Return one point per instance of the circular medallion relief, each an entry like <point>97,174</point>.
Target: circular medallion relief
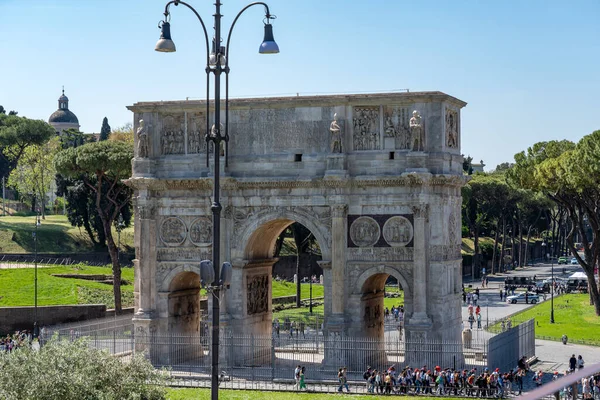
<point>201,232</point>
<point>397,231</point>
<point>365,231</point>
<point>173,231</point>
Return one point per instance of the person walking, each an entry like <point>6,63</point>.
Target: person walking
<point>478,321</point>
<point>580,362</point>
<point>379,382</point>
<point>297,377</point>
<point>519,380</point>
<point>501,293</point>
<point>471,320</point>
<point>343,380</point>
<point>572,363</point>
<point>302,383</point>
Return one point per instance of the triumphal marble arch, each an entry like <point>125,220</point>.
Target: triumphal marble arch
<point>375,177</point>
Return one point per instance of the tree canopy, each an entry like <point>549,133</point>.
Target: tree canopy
<point>16,133</point>
<point>105,130</point>
<point>102,166</point>
<point>568,174</point>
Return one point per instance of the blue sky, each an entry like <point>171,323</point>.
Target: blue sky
<point>527,68</point>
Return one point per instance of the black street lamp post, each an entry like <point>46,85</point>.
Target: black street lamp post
<point>35,277</point>
<point>551,283</point>
<point>217,62</point>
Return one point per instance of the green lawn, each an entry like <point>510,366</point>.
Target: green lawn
<point>55,235</point>
<point>281,288</point>
<point>573,316</point>
<point>303,312</point>
<point>17,287</point>
<point>200,394</point>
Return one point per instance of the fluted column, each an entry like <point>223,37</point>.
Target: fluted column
<point>420,265</point>
<point>146,255</point>
<point>338,257</point>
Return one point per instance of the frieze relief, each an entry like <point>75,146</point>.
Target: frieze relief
<point>201,232</point>
<point>183,254</point>
<point>396,125</point>
<point>452,227</point>
<point>445,252</point>
<point>196,133</point>
<point>257,294</point>
<point>234,184</point>
<point>366,128</point>
<point>172,135</point>
<point>380,254</point>
<point>451,128</point>
<point>173,231</point>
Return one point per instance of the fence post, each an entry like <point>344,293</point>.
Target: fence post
<point>253,349</point>
<point>114,342</point>
<point>272,359</point>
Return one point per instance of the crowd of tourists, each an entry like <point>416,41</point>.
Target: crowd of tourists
<point>438,381</point>
<point>18,339</point>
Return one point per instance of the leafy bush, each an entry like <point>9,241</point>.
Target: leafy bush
<point>73,371</point>
<point>487,249</point>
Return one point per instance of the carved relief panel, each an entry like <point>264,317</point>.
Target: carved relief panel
<point>396,125</point>
<point>201,232</point>
<point>398,231</point>
<point>257,294</point>
<point>172,135</point>
<point>196,131</point>
<point>173,231</point>
<point>451,128</point>
<point>380,230</point>
<point>366,128</point>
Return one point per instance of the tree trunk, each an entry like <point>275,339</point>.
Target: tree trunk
<point>513,246</point>
<point>503,241</point>
<point>116,266</point>
<point>520,244</point>
<point>495,247</point>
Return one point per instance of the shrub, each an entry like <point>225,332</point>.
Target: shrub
<point>73,371</point>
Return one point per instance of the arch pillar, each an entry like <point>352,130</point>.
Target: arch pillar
<point>335,321</point>
<point>249,302</point>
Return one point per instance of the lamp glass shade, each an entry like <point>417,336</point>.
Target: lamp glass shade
<point>268,46</point>
<point>165,44</point>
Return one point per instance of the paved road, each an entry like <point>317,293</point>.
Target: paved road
<point>552,355</point>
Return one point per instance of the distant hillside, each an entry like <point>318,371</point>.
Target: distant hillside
<point>55,235</point>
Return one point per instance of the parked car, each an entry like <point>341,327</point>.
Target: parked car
<point>532,298</point>
<point>519,281</point>
<point>562,260</point>
<point>574,261</point>
<point>542,287</point>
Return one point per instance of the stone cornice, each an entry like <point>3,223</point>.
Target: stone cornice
<point>274,183</point>
<point>399,98</point>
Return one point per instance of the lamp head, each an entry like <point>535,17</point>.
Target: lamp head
<point>165,44</point>
<point>268,46</point>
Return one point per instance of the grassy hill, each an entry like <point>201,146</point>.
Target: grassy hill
<point>55,235</point>
<point>17,286</point>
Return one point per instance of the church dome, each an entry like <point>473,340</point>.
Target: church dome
<point>63,114</point>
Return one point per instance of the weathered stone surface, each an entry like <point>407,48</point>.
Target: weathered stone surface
<point>382,204</point>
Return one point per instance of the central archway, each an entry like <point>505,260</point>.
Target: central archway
<point>253,252</point>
